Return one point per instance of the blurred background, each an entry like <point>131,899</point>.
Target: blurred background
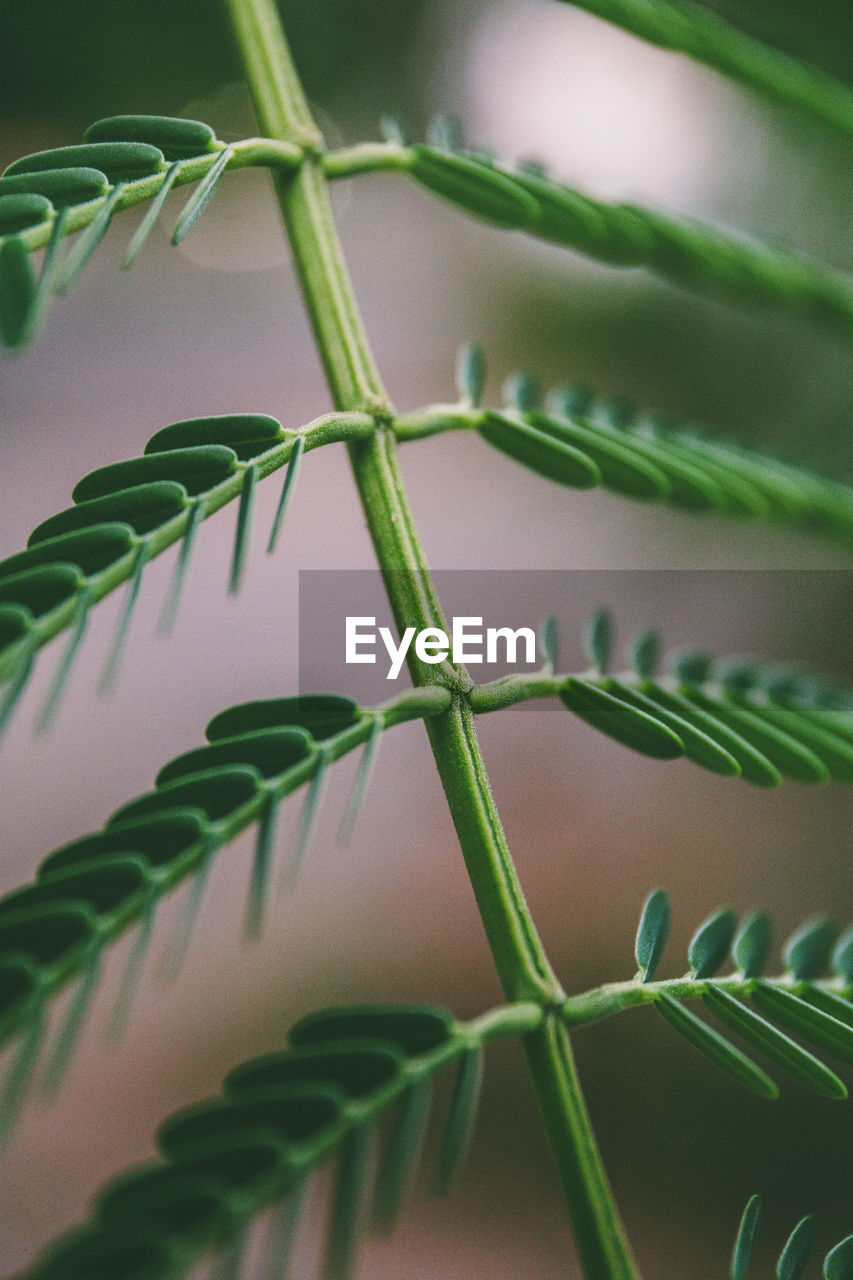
<point>217,326</point>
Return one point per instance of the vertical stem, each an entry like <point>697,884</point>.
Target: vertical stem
<point>354,380</point>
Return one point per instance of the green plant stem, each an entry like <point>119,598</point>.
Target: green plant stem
<point>436,419</point>
<point>355,384</point>
<point>366,157</point>
<point>519,687</point>
<point>506,1020</point>
<point>615,997</point>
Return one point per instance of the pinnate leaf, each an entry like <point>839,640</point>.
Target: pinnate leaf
<point>745,1241</point>
<point>795,1255</point>
<point>710,944</point>
<point>808,950</point>
<point>715,1047</point>
<point>751,944</point>
<point>620,721</point>
<point>652,932</point>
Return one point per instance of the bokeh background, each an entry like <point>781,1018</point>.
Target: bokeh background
<point>217,326</point>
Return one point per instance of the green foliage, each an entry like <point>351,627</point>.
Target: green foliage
<point>620,720</point>
<point>280,1117</point>
<point>127,513</point>
<point>354,1085</point>
<point>652,933</point>
<point>710,944</point>
<point>747,1232</point>
<point>794,1258</point>
<point>177,139</point>
<point>90,891</point>
<point>795,1255</point>
<point>800,1002</point>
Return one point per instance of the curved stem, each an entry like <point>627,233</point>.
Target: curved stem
<point>354,380</point>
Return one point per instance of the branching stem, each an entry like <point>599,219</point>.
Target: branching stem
<point>522,965</point>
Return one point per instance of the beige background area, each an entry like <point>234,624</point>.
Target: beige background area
<point>219,328</point>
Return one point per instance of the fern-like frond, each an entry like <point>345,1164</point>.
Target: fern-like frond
<point>759,721</point>
<point>138,154</point>
<point>125,161</point>
<point>680,249</point>
<point>70,192</point>
<point>812,999</point>
<point>279,1118</point>
<point>88,892</point>
<point>745,1239</point>
<point>127,513</point>
<point>583,442</point>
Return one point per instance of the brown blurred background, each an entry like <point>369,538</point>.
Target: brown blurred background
<point>217,326</point>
